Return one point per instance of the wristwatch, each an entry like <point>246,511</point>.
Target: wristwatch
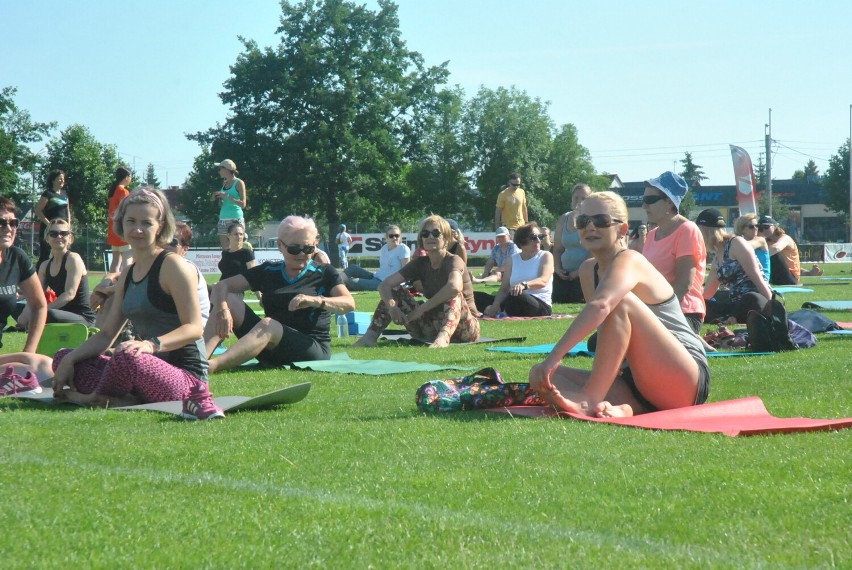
<point>156,342</point>
<point>525,285</point>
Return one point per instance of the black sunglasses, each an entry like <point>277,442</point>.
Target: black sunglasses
<point>764,226</point>
<point>538,237</point>
<point>751,227</point>
<point>174,243</point>
<point>10,223</point>
<point>56,234</point>
<point>393,235</point>
<point>652,199</point>
<point>599,220</point>
<point>434,233</point>
<point>297,249</point>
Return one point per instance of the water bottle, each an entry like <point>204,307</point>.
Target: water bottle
<point>342,326</point>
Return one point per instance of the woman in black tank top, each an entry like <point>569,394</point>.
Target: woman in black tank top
<point>639,322</point>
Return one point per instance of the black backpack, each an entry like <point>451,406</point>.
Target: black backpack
<point>767,329</point>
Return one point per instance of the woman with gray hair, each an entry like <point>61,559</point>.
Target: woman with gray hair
<point>298,297</point>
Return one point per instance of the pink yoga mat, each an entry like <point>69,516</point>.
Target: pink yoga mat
<point>746,416</point>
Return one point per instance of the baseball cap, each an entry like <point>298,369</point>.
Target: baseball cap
<point>502,231</point>
<point>227,164</point>
<point>454,225</point>
<point>711,218</point>
<point>766,221</point>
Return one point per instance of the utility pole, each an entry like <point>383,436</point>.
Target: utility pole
<point>850,173</point>
<point>769,160</point>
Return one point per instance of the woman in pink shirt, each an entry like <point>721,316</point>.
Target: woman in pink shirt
<point>675,247</point>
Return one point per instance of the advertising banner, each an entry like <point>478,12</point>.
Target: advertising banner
<point>746,183</point>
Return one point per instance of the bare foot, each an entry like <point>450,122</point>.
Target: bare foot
<point>557,400</point>
<point>442,340</point>
<point>607,410</point>
<point>369,339</point>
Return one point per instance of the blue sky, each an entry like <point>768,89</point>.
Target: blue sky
<point>642,81</point>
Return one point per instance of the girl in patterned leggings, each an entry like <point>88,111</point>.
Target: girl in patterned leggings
<point>158,295</point>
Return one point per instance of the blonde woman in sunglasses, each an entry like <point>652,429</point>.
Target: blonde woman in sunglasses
<point>64,273</point>
<point>648,357</point>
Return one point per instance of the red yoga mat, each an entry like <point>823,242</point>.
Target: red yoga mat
<point>745,416</point>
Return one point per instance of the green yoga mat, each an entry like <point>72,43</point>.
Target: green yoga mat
<point>343,364</point>
<point>582,349</point>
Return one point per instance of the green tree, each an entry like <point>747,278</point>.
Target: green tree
<point>836,181</point>
<point>692,173</point>
<point>151,176</point>
<point>780,209</point>
<point>809,174</point>
<point>323,122</point>
<point>507,131</point>
<point>568,163</point>
<point>760,172</point>
<point>17,130</point>
<point>89,166</point>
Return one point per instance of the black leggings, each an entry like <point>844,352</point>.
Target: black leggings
<point>521,306</point>
<point>722,309</point>
<point>567,290</point>
<point>779,273</point>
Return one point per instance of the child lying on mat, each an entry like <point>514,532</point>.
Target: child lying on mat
<point>639,322</point>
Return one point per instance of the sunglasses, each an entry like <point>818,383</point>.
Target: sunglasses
<point>434,233</point>
<point>599,220</point>
<point>751,227</point>
<point>10,223</point>
<point>297,249</point>
<point>394,236</point>
<point>56,234</point>
<point>515,184</point>
<point>761,226</point>
<point>538,237</point>
<point>652,199</point>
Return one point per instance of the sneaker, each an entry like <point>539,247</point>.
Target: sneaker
<point>12,383</point>
<point>200,405</point>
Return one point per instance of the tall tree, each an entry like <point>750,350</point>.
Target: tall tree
<point>760,172</point>
<point>692,173</point>
<point>322,122</point>
<point>568,163</point>
<point>809,174</point>
<point>17,130</point>
<point>89,166</point>
<point>836,182</point>
<point>151,176</point>
<point>507,131</point>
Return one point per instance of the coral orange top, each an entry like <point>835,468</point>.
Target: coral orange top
<point>120,194</point>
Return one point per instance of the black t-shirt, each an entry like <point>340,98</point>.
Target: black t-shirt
<point>234,262</point>
<point>278,291</point>
<point>15,267</point>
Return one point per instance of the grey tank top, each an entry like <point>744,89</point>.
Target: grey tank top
<point>152,312</point>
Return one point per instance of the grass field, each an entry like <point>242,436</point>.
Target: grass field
<point>355,477</point>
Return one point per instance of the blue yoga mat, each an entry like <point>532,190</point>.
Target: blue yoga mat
<point>841,333</point>
<point>792,289</point>
<point>836,305</point>
<point>341,363</point>
<point>580,349</point>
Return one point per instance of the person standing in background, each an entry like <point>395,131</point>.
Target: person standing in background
<point>568,253</point>
<point>232,199</point>
<point>344,240</point>
<point>118,191</point>
<point>511,208</point>
<point>52,204</point>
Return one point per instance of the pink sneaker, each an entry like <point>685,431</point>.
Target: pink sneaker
<point>200,405</point>
<point>12,383</point>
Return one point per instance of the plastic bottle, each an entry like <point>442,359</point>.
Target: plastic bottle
<point>342,326</point>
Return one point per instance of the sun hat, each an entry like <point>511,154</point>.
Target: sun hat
<point>454,225</point>
<point>502,231</point>
<point>227,164</point>
<point>670,184</point>
<point>711,218</point>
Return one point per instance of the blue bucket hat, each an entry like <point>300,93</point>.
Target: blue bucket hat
<point>670,184</point>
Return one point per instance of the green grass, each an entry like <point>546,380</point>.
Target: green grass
<point>354,476</point>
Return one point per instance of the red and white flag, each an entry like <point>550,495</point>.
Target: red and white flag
<point>746,182</point>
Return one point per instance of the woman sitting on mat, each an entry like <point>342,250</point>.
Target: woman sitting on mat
<point>675,246</point>
<point>648,356</point>
<point>157,293</point>
<point>66,275</point>
<point>17,272</point>
<point>746,226</point>
<point>448,314</point>
<point>392,257</point>
<point>238,258</point>
<point>735,266</point>
<point>783,253</point>
<point>298,297</point>
<point>526,292</point>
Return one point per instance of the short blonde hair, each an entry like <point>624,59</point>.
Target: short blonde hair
<point>443,226</point>
<point>153,197</point>
<point>742,222</point>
